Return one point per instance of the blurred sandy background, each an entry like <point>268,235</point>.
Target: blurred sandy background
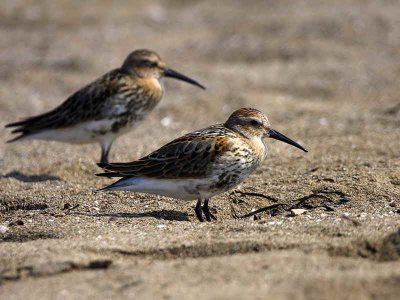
<point>327,74</point>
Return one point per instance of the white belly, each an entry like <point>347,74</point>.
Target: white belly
<point>87,132</point>
<point>186,189</point>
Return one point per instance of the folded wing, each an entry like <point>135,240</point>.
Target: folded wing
<point>190,156</point>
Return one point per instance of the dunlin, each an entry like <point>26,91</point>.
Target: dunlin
<point>200,164</point>
<point>107,107</point>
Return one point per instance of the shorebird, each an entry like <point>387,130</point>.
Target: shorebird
<point>200,164</point>
<point>106,108</point>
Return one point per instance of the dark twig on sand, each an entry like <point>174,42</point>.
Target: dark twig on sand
<point>254,194</point>
<point>322,193</point>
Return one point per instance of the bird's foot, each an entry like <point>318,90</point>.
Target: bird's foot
<point>208,214</point>
<point>200,209</point>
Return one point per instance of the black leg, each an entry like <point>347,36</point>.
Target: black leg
<point>105,150</point>
<point>199,211</point>
<point>207,213</point>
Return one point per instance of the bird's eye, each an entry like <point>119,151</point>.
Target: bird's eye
<point>255,122</point>
<point>149,63</point>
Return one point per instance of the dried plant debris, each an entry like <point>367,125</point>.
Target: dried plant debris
<point>324,197</point>
<point>253,194</point>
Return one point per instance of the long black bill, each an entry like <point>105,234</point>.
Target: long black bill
<point>177,75</point>
<point>279,136</point>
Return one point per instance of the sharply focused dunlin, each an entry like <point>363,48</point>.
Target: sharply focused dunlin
<point>107,107</point>
<point>200,164</point>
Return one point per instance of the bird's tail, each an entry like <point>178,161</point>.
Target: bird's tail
<point>23,128</point>
<point>17,138</point>
<point>118,185</point>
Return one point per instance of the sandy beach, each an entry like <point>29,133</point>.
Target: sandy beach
<point>328,225</point>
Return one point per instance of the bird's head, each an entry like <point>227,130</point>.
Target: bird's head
<point>252,123</point>
<point>148,64</point>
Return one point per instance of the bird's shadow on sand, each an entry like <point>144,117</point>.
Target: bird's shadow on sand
<point>164,214</point>
<point>30,178</point>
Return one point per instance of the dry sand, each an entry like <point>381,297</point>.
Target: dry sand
<point>326,74</point>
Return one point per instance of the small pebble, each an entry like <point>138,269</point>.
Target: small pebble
<point>297,211</point>
<point>165,122</point>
